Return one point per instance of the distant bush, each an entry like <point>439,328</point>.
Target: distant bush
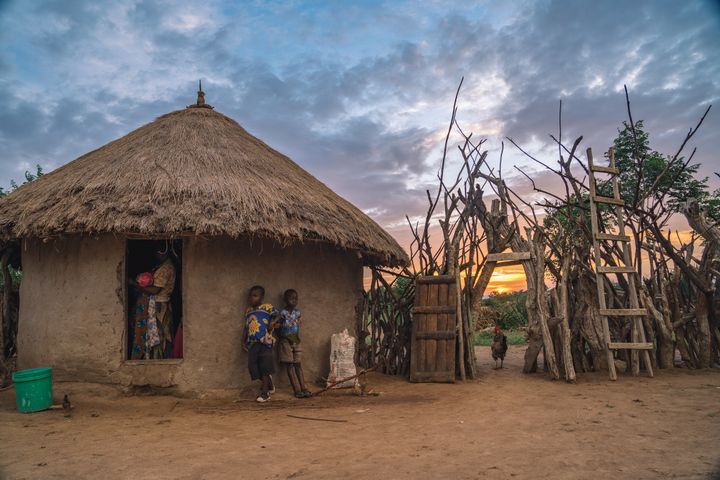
<point>505,309</point>
<point>29,177</point>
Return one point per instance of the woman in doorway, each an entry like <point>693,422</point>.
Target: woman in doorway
<point>151,318</point>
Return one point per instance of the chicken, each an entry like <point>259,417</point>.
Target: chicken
<point>499,347</point>
<point>67,406</point>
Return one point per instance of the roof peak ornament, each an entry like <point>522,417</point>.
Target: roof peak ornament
<point>200,98</point>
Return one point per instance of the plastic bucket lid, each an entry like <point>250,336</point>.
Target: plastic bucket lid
<point>31,374</point>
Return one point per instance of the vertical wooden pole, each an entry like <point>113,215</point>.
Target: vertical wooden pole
<point>450,358</point>
<point>419,326</point>
<point>565,324</point>
<point>599,279</point>
<point>460,326</point>
<point>470,344</point>
<point>549,348</point>
<point>442,325</point>
<point>431,325</point>
<point>638,332</point>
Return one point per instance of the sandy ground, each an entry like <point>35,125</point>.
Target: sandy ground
<point>505,425</point>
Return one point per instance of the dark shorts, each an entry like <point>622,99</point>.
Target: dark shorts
<point>289,352</point>
<point>260,361</point>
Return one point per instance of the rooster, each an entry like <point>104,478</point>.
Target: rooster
<point>499,347</point>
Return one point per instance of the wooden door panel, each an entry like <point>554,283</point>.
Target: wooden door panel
<point>434,330</point>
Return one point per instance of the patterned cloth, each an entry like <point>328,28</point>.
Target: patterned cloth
<point>153,333</point>
<point>164,277</point>
<point>290,324</point>
<point>257,322</point>
<point>150,326</point>
<point>138,323</point>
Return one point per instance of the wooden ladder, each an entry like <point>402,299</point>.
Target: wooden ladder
<point>634,313</point>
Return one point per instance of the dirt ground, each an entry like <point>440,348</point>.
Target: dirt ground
<point>505,425</point>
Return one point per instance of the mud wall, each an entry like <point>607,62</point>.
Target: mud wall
<point>72,312</point>
<point>71,309</point>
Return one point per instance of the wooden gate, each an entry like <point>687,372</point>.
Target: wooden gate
<point>432,354</point>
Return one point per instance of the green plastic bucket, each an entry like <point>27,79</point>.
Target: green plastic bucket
<point>33,389</point>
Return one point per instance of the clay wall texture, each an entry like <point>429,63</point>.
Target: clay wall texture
<point>72,310</point>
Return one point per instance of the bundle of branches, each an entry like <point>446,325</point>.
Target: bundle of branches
<point>384,324</point>
<point>681,292</point>
<point>9,285</point>
<point>469,231</point>
<point>456,207</point>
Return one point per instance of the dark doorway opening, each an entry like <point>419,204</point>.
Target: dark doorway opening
<point>154,299</point>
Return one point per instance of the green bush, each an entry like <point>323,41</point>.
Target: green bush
<point>508,309</point>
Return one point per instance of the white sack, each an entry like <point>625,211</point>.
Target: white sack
<point>342,359</point>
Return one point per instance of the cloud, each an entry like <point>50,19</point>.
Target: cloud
<point>360,96</point>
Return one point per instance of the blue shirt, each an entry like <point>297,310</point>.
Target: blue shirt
<point>289,322</point>
<point>257,322</point>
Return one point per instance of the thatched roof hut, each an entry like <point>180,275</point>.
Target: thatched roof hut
<point>193,171</point>
<point>237,212</point>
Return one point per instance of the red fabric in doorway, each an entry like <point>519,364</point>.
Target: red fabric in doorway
<point>177,351</point>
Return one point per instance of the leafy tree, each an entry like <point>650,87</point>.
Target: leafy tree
<point>644,172</point>
<point>16,274</point>
<point>401,285</point>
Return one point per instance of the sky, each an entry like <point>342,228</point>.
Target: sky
<point>360,93</point>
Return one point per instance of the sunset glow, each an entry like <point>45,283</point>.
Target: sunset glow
<point>507,279</point>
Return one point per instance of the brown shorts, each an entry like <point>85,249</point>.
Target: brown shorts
<point>289,352</point>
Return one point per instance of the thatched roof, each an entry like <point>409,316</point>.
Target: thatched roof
<point>192,172</point>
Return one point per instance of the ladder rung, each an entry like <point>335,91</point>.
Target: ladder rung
<point>598,168</point>
<point>610,200</point>
<point>630,346</point>
<point>612,236</point>
<point>602,269</point>
<point>623,312</point>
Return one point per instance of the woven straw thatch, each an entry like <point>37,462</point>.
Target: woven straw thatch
<point>192,172</point>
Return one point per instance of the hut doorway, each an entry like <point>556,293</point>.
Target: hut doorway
<point>154,299</point>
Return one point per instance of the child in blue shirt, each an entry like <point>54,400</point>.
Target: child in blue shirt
<point>289,344</point>
<point>260,321</point>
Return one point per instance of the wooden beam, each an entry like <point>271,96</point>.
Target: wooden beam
<point>603,269</point>
<point>508,257</point>
<point>612,236</point>
<point>508,264</point>
<point>599,168</point>
<point>623,312</point>
<point>434,309</point>
<point>443,335</point>
<point>630,346</point>
<point>434,279</point>
<point>610,200</point>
